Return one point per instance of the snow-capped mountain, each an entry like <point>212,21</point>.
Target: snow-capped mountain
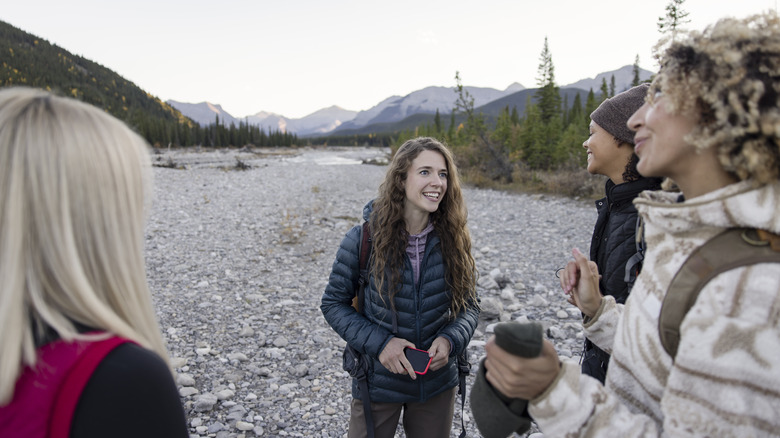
<point>318,122</point>
<point>392,109</point>
<point>268,121</point>
<point>321,122</point>
<point>427,100</point>
<point>624,76</point>
<point>203,113</point>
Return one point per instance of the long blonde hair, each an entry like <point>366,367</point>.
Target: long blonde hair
<point>388,228</point>
<point>74,184</point>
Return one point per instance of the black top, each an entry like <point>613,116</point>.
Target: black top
<point>613,241</point>
<point>131,394</point>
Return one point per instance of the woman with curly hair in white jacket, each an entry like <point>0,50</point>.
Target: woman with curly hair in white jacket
<point>711,123</point>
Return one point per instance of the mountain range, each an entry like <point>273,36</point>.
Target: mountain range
<point>32,61</point>
<point>417,106</point>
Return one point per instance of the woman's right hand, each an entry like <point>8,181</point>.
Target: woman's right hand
<point>394,359</point>
<point>580,282</point>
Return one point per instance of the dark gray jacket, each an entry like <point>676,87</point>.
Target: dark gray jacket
<point>612,244</point>
<point>422,314</point>
<point>613,241</point>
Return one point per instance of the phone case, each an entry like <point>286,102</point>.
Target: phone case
<point>419,359</point>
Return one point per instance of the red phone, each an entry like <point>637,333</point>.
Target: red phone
<point>419,359</point>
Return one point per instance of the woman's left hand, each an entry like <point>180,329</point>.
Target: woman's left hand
<point>440,352</point>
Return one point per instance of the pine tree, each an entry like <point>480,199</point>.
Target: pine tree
<point>604,89</point>
<point>575,114</point>
<point>673,20</point>
<point>503,132</point>
<point>451,128</point>
<point>636,81</point>
<point>590,106</point>
<point>612,86</point>
<point>495,156</point>
<point>548,96</point>
<point>437,123</point>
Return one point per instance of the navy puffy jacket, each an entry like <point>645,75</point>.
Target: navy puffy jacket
<point>423,314</point>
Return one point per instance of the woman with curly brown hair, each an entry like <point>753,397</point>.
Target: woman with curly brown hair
<point>711,124</point>
<point>421,294</point>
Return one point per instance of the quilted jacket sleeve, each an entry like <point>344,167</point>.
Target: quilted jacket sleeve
<point>336,306</point>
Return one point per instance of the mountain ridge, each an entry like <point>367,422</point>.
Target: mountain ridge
<point>402,109</point>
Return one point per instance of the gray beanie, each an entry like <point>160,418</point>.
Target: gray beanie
<point>614,112</point>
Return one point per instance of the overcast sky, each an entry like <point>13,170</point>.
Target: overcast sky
<point>294,57</point>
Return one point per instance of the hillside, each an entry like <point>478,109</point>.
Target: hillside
<point>31,61</point>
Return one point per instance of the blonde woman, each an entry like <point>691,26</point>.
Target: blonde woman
<point>711,124</point>
<point>421,294</point>
<point>81,354</point>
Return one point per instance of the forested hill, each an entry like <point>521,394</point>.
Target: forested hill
<point>32,61</point>
<point>27,60</point>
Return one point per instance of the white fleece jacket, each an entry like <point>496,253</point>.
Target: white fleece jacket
<point>725,381</point>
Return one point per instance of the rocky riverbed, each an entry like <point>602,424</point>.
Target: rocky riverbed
<point>239,249</point>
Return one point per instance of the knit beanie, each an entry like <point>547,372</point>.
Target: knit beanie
<point>614,112</point>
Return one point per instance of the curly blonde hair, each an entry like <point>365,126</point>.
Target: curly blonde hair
<point>729,76</point>
<point>388,228</point>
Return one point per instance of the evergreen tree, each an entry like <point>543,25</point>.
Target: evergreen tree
<point>590,106</point>
<point>604,89</point>
<point>575,114</point>
<point>548,96</point>
<point>674,19</point>
<point>496,162</point>
<point>451,129</point>
<point>612,86</point>
<point>636,81</point>
<point>503,132</point>
<point>515,118</point>
<point>437,123</point>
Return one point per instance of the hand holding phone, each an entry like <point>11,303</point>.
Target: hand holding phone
<point>419,359</point>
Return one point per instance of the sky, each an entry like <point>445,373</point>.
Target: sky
<point>294,57</point>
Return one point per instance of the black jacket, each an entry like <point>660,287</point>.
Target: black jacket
<point>613,243</point>
<point>614,236</point>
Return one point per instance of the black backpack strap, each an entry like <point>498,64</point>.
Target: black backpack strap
<point>365,255</point>
<point>464,367</point>
<point>363,385</point>
<point>362,380</point>
<point>734,248</point>
<point>634,263</point>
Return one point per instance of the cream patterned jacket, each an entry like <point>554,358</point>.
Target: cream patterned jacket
<point>725,381</point>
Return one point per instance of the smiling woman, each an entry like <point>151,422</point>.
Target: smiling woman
<point>711,123</point>
<point>610,149</point>
<point>421,293</point>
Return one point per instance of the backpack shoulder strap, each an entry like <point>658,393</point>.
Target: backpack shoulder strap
<point>75,382</point>
<point>731,249</point>
<point>364,256</point>
<point>365,249</point>
<point>357,303</point>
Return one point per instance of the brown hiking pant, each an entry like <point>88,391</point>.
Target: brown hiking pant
<point>430,419</point>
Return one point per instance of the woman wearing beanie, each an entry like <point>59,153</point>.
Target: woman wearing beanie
<point>610,148</point>
<point>711,124</point>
